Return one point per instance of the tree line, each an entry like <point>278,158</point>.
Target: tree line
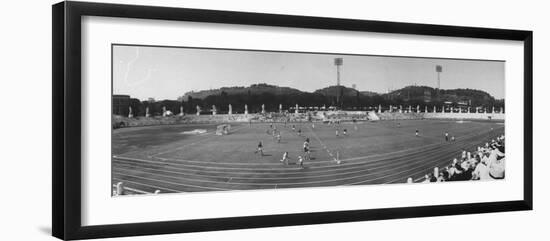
<point>271,101</point>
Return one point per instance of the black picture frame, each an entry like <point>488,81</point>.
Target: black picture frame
<point>66,127</point>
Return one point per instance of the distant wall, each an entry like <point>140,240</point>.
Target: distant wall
<point>431,115</point>
<point>122,121</point>
<point>399,116</point>
<point>345,115</point>
<point>478,116</point>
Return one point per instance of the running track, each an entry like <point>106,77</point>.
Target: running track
<point>177,175</point>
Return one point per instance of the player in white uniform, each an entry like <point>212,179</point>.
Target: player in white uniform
<point>301,161</point>
<point>285,158</point>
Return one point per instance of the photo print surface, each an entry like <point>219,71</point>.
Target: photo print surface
<point>201,119</point>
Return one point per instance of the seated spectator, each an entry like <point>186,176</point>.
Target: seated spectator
<point>496,162</point>
<point>481,172</point>
<point>426,179</point>
<point>487,162</point>
<point>441,177</point>
<point>433,178</point>
<point>446,174</point>
<point>467,171</point>
<point>485,157</point>
<point>458,171</point>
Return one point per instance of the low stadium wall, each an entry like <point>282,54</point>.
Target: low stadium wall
<point>344,115</point>
<point>461,116</point>
<point>399,116</point>
<point>120,121</point>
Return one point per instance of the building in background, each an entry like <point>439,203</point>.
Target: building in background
<point>121,104</point>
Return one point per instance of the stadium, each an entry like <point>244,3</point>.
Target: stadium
<point>265,136</point>
<point>191,154</point>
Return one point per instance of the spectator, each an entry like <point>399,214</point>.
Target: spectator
<point>481,172</point>
<point>426,178</point>
<point>487,162</point>
<point>497,163</point>
<point>433,178</point>
<point>441,177</point>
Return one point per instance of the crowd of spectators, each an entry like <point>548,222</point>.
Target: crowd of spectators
<point>485,163</point>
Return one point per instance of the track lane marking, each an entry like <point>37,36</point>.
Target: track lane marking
<point>371,155</point>
<point>394,162</point>
<point>431,164</point>
<point>435,145</point>
<point>148,185</point>
<point>352,165</point>
<point>436,160</point>
<point>172,183</point>
<point>134,190</point>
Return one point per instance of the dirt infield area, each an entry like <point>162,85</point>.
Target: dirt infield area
<point>185,158</point>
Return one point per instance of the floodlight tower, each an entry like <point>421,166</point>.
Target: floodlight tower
<point>338,62</point>
<point>438,69</point>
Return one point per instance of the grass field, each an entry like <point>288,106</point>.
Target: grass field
<point>164,158</point>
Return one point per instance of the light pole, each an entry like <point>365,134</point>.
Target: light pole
<point>438,69</point>
<point>338,62</point>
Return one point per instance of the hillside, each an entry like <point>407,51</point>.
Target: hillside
<point>272,96</point>
<point>429,94</point>
<point>344,91</point>
<point>254,89</point>
<point>369,93</point>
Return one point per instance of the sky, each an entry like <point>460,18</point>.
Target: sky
<point>167,72</point>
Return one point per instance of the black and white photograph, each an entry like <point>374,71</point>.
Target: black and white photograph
<point>191,119</point>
